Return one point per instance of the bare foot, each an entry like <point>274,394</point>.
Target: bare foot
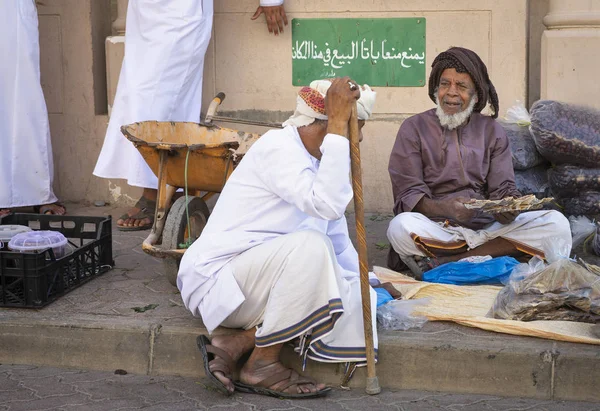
<point>254,372</point>
<point>4,212</point>
<point>235,345</point>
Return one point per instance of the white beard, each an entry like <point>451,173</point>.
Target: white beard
<point>452,121</point>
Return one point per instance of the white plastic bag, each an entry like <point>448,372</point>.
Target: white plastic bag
<point>581,228</point>
<point>397,314</point>
<point>523,270</point>
<point>518,114</point>
<point>556,248</point>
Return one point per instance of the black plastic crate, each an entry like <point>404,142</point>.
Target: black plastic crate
<point>33,280</point>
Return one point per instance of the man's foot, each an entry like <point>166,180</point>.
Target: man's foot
<point>224,352</point>
<point>52,209</point>
<point>276,380</point>
<point>138,218</point>
<point>4,212</point>
<point>419,265</point>
<point>428,263</point>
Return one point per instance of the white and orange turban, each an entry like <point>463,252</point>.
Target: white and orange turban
<point>310,104</point>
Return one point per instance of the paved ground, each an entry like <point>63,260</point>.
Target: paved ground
<point>97,327</point>
<point>31,388</point>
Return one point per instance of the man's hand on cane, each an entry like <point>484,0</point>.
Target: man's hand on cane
<point>340,98</point>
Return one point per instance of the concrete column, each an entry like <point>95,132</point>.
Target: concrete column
<point>119,23</point>
<point>115,51</point>
<point>571,52</point>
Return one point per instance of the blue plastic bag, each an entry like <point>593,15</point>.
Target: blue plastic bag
<point>383,296</point>
<point>494,271</point>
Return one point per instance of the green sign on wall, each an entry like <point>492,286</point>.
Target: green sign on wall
<point>379,52</point>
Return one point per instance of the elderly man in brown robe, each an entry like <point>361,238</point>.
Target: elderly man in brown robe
<point>448,155</point>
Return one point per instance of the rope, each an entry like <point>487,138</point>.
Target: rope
<point>189,241</point>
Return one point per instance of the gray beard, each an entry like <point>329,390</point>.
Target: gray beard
<point>452,121</point>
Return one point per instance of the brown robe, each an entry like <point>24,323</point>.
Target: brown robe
<point>472,161</point>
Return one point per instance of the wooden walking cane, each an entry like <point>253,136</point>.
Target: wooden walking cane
<point>361,237</point>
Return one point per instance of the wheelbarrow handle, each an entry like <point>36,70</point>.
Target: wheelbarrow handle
<point>214,106</point>
<point>220,96</point>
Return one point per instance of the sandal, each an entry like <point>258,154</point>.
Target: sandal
<point>147,210</point>
<point>49,209</point>
<point>292,378</point>
<point>215,359</point>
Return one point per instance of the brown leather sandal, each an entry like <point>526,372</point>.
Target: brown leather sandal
<point>50,208</point>
<point>147,210</point>
<point>215,359</point>
<point>292,378</point>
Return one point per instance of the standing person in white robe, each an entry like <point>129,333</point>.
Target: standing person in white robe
<point>275,258</point>
<point>161,79</point>
<point>26,165</point>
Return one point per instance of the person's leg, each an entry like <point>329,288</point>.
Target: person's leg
<point>235,345</point>
<point>4,212</point>
<point>285,281</point>
<point>524,236</point>
<point>168,41</point>
<point>264,363</point>
<point>418,241</point>
<point>498,247</point>
<point>413,234</point>
<point>533,232</point>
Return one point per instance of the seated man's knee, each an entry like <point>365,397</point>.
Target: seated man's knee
<point>312,242</point>
<point>399,232</point>
<point>401,226</point>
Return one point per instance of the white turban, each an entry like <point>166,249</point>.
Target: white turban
<point>310,104</point>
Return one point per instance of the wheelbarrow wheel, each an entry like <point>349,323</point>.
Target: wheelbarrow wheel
<point>176,232</point>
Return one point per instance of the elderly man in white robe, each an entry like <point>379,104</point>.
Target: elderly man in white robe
<point>161,79</point>
<point>26,164</point>
<point>275,258</point>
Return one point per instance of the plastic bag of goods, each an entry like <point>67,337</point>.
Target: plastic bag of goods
<point>492,271</point>
<point>516,125</point>
<point>563,291</point>
<point>398,314</point>
<point>566,180</point>
<point>581,228</point>
<point>584,203</point>
<point>566,133</point>
<point>533,181</point>
<point>596,242</point>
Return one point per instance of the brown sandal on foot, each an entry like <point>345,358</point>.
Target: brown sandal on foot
<point>292,378</point>
<point>215,359</point>
<point>49,209</point>
<point>147,210</point>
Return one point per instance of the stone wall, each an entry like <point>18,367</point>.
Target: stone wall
<point>254,69</point>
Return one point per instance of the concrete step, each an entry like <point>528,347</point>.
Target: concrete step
<point>440,357</point>
<point>95,327</point>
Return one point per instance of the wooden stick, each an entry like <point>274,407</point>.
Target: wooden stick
<point>359,211</point>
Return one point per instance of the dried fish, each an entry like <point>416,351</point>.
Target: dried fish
<point>507,204</point>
